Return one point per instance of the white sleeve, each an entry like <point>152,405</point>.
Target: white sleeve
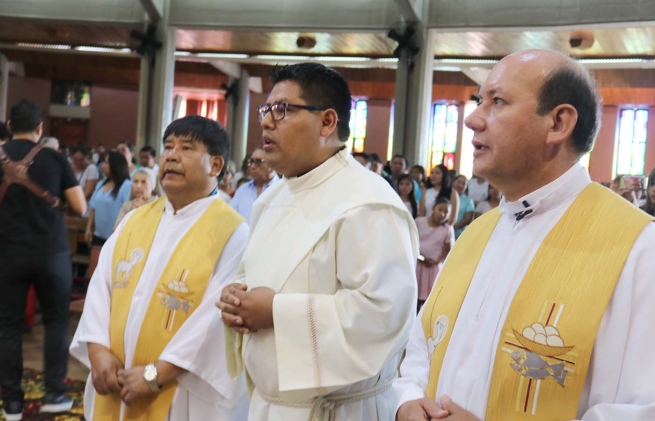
<point>94,324</point>
<point>415,369</point>
<point>620,383</point>
<point>93,173</point>
<point>356,330</point>
<point>198,345</point>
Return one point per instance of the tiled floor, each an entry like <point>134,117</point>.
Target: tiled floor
<point>33,351</point>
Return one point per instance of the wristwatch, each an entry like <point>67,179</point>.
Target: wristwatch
<point>150,376</point>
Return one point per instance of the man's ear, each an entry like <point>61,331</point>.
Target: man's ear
<point>329,123</point>
<point>217,163</point>
<point>564,118</point>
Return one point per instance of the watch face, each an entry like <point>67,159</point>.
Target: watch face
<point>150,375</point>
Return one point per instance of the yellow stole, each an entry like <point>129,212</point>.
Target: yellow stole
<point>546,343</point>
<point>180,291</point>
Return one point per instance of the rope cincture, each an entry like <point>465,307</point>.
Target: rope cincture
<point>323,407</point>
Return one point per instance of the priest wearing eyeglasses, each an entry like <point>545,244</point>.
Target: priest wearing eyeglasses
<point>324,298</point>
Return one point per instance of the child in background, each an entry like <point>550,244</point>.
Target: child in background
<point>406,192</point>
<point>436,238</point>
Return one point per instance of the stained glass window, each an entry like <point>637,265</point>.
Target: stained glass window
<point>631,148</point>
<point>358,115</point>
<point>444,135</point>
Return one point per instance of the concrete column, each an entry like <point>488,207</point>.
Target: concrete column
<point>4,86</point>
<point>240,121</point>
<point>412,114</point>
<point>156,88</point>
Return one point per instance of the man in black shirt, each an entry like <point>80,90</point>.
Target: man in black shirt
<point>34,251</point>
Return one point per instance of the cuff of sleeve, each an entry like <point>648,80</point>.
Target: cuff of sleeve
<point>80,348</point>
<point>407,393</point>
<point>233,356</point>
<point>293,341</point>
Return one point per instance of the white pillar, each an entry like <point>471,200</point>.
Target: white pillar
<point>4,86</point>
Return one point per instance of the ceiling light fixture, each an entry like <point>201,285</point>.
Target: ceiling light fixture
<point>92,49</point>
<point>222,55</point>
<point>44,46</point>
<point>341,58</point>
<point>282,57</point>
<point>611,60</point>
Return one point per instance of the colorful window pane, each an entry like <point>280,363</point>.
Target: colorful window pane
<point>358,116</point>
<point>631,148</point>
<point>444,135</point>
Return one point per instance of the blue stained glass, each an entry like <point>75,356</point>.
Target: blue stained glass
<point>444,132</point>
<point>358,119</point>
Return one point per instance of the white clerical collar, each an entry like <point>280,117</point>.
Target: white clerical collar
<point>191,209</point>
<point>320,173</point>
<point>548,197</point>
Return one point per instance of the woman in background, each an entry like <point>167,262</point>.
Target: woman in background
<point>86,173</point>
<point>466,206</point>
<point>142,192</point>
<point>493,200</point>
<point>108,199</point>
<point>127,150</point>
<point>439,186</point>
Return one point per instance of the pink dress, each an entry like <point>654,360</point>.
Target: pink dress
<point>433,241</point>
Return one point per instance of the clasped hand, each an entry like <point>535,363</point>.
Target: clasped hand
<point>427,409</point>
<point>246,311</point>
<point>109,377</point>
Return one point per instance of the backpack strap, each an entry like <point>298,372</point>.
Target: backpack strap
<point>16,172</point>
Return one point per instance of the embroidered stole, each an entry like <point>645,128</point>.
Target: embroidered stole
<point>180,290</point>
<point>546,342</point>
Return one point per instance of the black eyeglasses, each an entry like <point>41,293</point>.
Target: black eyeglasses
<point>278,110</point>
<point>255,161</point>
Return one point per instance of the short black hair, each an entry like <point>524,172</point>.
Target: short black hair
<point>201,129</point>
<point>441,200</point>
<point>80,149</point>
<point>376,158</point>
<point>25,116</point>
<point>404,159</point>
<point>4,131</point>
<point>366,156</point>
<point>150,150</point>
<point>576,87</point>
<point>320,86</point>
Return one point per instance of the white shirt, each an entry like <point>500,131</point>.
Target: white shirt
<point>619,384</point>
<point>90,173</point>
<point>205,392</point>
<point>478,192</point>
<point>483,207</point>
<point>430,199</point>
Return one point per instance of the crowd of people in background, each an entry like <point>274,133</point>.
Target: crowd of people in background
<point>458,201</point>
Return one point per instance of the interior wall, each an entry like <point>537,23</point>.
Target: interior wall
<point>37,90</point>
<point>113,111</point>
<point>114,114</point>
